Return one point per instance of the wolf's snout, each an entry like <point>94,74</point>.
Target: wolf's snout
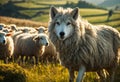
<point>62,34</point>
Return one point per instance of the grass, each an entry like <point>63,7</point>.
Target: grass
<point>41,73</point>
<point>21,22</point>
<point>12,73</point>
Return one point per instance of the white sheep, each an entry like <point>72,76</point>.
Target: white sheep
<point>50,54</point>
<point>6,46</point>
<point>26,29</point>
<point>41,29</point>
<point>30,45</point>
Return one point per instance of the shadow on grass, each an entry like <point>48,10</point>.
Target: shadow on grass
<point>106,21</point>
<point>11,10</point>
<point>95,15</point>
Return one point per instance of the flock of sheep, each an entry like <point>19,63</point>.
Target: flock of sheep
<point>23,43</point>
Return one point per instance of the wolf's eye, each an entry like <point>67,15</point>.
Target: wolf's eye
<point>57,23</point>
<point>68,23</point>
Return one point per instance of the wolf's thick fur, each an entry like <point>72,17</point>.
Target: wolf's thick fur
<point>88,48</point>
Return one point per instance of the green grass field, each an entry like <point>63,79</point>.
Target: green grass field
<point>38,11</point>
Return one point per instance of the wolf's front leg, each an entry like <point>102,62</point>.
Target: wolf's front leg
<point>81,72</point>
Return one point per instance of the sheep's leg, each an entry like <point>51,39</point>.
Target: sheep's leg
<point>102,75</point>
<point>6,60</point>
<point>11,59</point>
<point>16,58</point>
<point>22,59</point>
<point>81,72</point>
<point>26,59</point>
<point>37,60</point>
<point>32,60</point>
<point>71,75</point>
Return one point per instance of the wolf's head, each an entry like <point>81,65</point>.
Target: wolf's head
<point>64,21</point>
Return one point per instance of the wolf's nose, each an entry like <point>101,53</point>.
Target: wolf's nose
<point>62,33</point>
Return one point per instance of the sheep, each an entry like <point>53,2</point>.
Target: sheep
<point>5,30</point>
<point>30,45</point>
<point>50,54</point>
<point>6,46</point>
<point>41,29</point>
<point>2,26</point>
<point>13,27</point>
<point>26,29</point>
<point>83,47</point>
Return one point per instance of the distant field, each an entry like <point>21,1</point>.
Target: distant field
<point>39,11</point>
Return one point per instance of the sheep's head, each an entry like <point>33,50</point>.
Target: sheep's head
<point>2,26</point>
<point>41,39</point>
<point>3,37</point>
<point>41,29</point>
<point>13,27</point>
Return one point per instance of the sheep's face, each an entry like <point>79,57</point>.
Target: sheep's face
<point>3,37</point>
<point>1,27</point>
<point>42,40</point>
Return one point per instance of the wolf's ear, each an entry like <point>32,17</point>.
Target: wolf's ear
<point>75,13</point>
<point>53,12</point>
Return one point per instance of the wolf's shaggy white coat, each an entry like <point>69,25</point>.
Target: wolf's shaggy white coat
<point>88,48</point>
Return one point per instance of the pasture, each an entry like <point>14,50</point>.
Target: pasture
<point>37,13</point>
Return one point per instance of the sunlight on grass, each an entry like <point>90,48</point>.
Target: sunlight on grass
<point>30,5</point>
<point>43,18</point>
<point>86,12</point>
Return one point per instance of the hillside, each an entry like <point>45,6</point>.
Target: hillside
<point>96,2</point>
<point>35,10</point>
<point>100,17</point>
<point>110,3</point>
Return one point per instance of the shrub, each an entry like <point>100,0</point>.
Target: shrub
<point>12,73</point>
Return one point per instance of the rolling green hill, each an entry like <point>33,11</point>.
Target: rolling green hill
<point>110,3</point>
<point>33,9</point>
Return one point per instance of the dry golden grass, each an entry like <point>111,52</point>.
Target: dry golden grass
<point>21,22</point>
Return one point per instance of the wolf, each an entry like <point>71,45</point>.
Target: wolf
<point>84,47</point>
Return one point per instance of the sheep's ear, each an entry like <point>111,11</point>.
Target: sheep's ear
<point>75,13</point>
<point>46,29</point>
<point>9,34</point>
<point>53,12</point>
<point>37,29</point>
<point>36,38</point>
